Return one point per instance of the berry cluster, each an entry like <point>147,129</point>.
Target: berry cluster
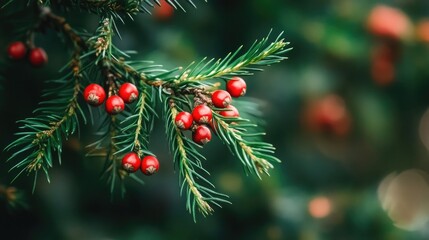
<point>36,56</point>
<point>148,165</point>
<point>95,95</point>
<point>202,114</point>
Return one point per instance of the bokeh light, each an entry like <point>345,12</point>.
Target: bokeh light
<point>320,207</point>
<point>404,197</point>
<point>388,21</point>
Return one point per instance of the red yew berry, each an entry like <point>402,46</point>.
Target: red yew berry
<point>150,165</point>
<point>201,135</point>
<point>16,50</point>
<point>202,114</point>
<point>94,94</point>
<point>230,111</point>
<point>131,162</point>
<point>38,57</point>
<point>236,87</point>
<point>164,11</point>
<point>221,98</point>
<point>128,92</point>
<point>184,120</point>
<point>114,105</point>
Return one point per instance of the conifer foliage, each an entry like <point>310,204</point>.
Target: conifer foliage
<point>133,94</point>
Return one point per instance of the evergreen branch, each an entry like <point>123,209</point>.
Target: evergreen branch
<point>61,23</point>
<point>113,169</point>
<point>6,3</point>
<point>101,42</point>
<point>149,73</point>
<point>261,53</point>
<point>42,135</point>
<point>106,147</point>
<point>255,155</point>
<point>137,126</point>
<point>115,8</point>
<point>58,118</point>
<point>140,134</point>
<point>189,161</point>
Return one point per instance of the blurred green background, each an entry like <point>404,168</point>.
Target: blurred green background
<point>344,111</point>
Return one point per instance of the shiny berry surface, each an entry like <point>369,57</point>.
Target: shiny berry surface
<point>150,165</point>
<point>202,114</point>
<point>94,94</point>
<point>128,92</point>
<point>184,120</point>
<point>221,98</point>
<point>236,87</point>
<point>202,135</point>
<point>131,162</point>
<point>114,105</point>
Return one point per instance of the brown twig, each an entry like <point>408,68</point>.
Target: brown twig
<point>61,22</point>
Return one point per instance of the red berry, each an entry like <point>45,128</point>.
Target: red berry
<point>150,165</point>
<point>236,87</point>
<point>184,120</point>
<point>202,114</point>
<point>201,135</point>
<point>114,105</point>
<point>94,94</point>
<point>163,12</point>
<point>131,162</point>
<point>16,50</point>
<point>128,92</point>
<point>38,57</point>
<point>231,112</point>
<point>221,98</point>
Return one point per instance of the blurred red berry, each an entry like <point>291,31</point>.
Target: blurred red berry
<point>383,61</point>
<point>38,57</point>
<point>163,12</point>
<point>328,114</point>
<point>16,50</point>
